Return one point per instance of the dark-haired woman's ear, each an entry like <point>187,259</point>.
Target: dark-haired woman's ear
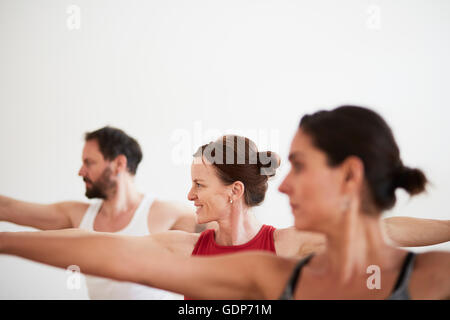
<point>353,174</point>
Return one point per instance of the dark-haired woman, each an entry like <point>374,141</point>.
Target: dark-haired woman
<point>340,182</point>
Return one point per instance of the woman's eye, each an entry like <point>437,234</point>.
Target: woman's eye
<point>297,167</point>
<point>198,185</point>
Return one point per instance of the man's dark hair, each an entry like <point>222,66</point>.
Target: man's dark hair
<point>113,142</point>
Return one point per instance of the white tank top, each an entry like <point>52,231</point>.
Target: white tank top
<point>105,289</point>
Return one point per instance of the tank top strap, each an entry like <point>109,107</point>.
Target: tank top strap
<point>146,205</point>
<point>87,222</point>
<point>205,237</point>
<point>288,292</point>
<point>138,226</point>
<point>401,291</point>
<point>269,239</point>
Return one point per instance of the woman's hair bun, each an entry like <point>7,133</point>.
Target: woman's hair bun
<point>412,180</point>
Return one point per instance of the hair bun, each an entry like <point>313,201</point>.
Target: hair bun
<point>268,162</point>
<point>412,180</point>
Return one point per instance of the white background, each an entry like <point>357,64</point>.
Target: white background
<point>171,73</point>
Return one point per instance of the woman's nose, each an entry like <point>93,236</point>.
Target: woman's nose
<point>283,188</point>
<point>191,195</point>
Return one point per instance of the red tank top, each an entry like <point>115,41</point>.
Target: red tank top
<point>207,246</point>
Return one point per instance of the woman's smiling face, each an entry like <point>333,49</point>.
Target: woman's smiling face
<point>211,197</point>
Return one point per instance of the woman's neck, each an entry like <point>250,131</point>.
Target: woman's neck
<point>353,246</point>
<point>239,227</point>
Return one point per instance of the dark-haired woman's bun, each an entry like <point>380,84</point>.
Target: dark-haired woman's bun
<point>412,180</point>
<point>268,162</point>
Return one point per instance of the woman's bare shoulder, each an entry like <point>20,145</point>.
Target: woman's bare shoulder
<point>292,232</point>
<point>290,242</point>
<point>434,261</point>
<point>431,276</point>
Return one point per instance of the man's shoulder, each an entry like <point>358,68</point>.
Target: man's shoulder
<point>75,210</point>
<point>171,215</point>
<point>168,208</point>
<point>74,207</point>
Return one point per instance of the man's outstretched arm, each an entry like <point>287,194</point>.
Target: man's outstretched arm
<point>59,215</point>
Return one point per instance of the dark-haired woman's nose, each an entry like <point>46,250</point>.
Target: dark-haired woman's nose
<point>284,186</point>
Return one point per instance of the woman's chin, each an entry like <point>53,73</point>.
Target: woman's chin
<point>302,225</point>
<point>201,219</point>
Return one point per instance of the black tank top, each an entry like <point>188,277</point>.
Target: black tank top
<point>400,291</point>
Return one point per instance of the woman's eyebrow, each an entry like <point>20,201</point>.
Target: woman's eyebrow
<point>294,155</point>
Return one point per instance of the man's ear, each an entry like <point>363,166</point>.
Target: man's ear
<point>353,170</point>
<point>120,163</point>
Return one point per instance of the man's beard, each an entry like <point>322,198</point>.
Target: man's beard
<point>102,186</point>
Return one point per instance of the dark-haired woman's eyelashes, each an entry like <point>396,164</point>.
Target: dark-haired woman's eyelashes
<point>297,167</point>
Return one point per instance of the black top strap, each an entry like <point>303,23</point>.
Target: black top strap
<point>400,291</point>
<point>288,292</point>
<point>405,271</point>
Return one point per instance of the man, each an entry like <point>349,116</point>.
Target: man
<point>110,161</point>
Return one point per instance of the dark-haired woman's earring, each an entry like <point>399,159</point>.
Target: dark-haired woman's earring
<point>345,204</point>
<point>231,201</point>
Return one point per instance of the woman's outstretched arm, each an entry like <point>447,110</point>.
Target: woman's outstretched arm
<point>400,232</point>
<point>416,232</point>
<point>144,260</point>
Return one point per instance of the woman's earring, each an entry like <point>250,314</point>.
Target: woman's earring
<point>231,201</point>
<point>345,204</point>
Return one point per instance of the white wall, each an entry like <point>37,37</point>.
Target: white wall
<point>160,68</point>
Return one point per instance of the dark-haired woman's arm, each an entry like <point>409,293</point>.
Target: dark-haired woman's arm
<point>416,232</point>
<point>144,260</point>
